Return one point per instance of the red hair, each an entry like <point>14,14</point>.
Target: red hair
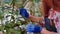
<point>56,4</point>
<point>46,6</point>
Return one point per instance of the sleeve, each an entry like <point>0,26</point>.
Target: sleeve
<point>57,33</point>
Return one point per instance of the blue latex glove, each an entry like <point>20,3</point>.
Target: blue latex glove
<point>23,12</point>
<point>30,27</point>
<point>37,28</point>
<point>33,28</point>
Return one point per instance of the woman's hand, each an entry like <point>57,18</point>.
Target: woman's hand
<point>33,28</point>
<point>23,12</point>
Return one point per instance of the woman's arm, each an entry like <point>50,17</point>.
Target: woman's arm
<point>35,19</point>
<point>44,31</point>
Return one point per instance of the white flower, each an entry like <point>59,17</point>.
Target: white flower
<point>22,19</point>
<point>4,30</point>
<point>22,26</point>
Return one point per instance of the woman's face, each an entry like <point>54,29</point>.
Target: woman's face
<point>57,3</point>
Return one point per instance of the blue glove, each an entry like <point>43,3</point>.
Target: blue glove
<point>23,12</point>
<point>37,28</point>
<point>33,28</point>
<point>30,27</point>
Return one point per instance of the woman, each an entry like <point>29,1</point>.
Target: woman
<point>46,6</point>
<point>54,14</point>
